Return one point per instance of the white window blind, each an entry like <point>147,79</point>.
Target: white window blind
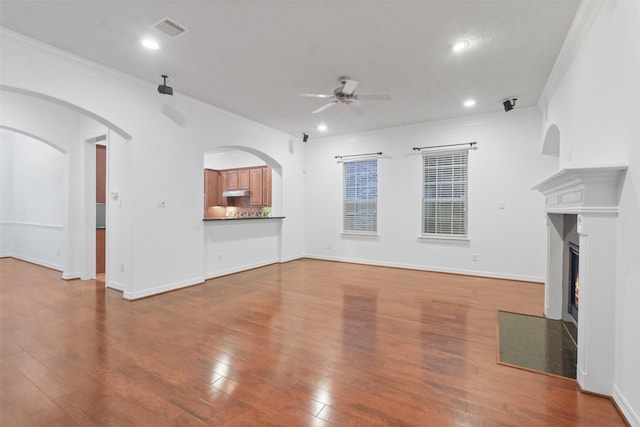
<point>360,214</point>
<point>444,195</point>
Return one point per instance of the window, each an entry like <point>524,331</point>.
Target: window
<point>360,213</point>
<point>444,194</point>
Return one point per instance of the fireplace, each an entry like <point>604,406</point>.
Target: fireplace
<point>574,281</point>
<point>583,275</point>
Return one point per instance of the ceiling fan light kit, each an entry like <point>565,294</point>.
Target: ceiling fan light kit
<point>344,94</point>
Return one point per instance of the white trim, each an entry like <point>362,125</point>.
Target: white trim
<point>57,267</point>
<point>291,258</point>
<point>373,234</point>
<point>33,224</point>
<point>584,18</point>
<point>161,289</point>
<point>245,267</point>
<point>463,272</point>
<point>444,238</point>
<point>71,276</point>
<point>593,210</point>
<point>626,408</point>
<point>116,285</point>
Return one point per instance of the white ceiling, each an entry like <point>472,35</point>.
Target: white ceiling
<point>254,58</point>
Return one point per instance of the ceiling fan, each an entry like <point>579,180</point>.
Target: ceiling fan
<point>344,94</point>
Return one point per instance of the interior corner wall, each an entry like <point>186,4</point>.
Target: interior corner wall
<point>509,242</point>
<point>595,107</point>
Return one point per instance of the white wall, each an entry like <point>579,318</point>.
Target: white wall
<point>163,140</point>
<point>230,159</point>
<point>509,243</point>
<point>33,200</point>
<point>595,105</point>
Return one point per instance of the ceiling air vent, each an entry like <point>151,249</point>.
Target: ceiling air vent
<point>169,27</point>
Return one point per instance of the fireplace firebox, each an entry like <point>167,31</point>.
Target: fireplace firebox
<point>574,280</point>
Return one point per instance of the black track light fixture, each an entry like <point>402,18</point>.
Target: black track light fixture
<point>509,104</point>
<point>305,137</point>
<point>163,88</point>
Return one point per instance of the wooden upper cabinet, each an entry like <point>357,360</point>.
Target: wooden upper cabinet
<point>257,190</point>
<point>211,188</point>
<point>244,179</point>
<point>232,180</point>
<point>223,185</point>
<point>238,179</point>
<point>266,186</point>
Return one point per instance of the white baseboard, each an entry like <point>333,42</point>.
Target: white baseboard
<point>291,258</point>
<point>161,289</point>
<point>489,274</point>
<point>115,285</point>
<point>37,262</point>
<point>71,276</point>
<point>629,413</point>
<point>245,267</point>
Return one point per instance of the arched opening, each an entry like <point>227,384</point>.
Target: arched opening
<point>75,132</point>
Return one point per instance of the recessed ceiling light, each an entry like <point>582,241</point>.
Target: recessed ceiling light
<point>150,44</point>
<point>462,44</point>
<point>322,127</point>
<point>469,103</point>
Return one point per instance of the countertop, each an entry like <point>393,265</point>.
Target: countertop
<point>243,218</point>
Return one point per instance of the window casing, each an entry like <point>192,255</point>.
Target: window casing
<point>444,194</point>
<point>360,197</point>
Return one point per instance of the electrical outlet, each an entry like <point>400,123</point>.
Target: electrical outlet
<point>121,268</point>
<point>474,257</point>
<point>328,247</point>
<point>219,257</point>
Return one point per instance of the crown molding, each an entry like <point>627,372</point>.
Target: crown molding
<point>582,22</point>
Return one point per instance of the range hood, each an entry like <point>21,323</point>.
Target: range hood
<point>235,193</point>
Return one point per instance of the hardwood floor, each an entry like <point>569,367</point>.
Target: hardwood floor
<point>307,343</point>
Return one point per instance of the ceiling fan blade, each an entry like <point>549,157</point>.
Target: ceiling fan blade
<point>316,95</point>
<point>374,97</point>
<point>324,107</point>
<point>349,87</point>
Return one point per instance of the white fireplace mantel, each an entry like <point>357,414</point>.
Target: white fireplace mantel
<point>583,189</point>
<point>591,193</point>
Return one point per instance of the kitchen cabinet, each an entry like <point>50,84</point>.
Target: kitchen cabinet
<point>211,188</point>
<point>238,179</point>
<point>266,186</point>
<point>257,188</point>
<point>257,180</point>
<point>222,186</point>
<point>261,186</point>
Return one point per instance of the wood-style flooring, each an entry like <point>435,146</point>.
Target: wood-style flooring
<point>306,343</point>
